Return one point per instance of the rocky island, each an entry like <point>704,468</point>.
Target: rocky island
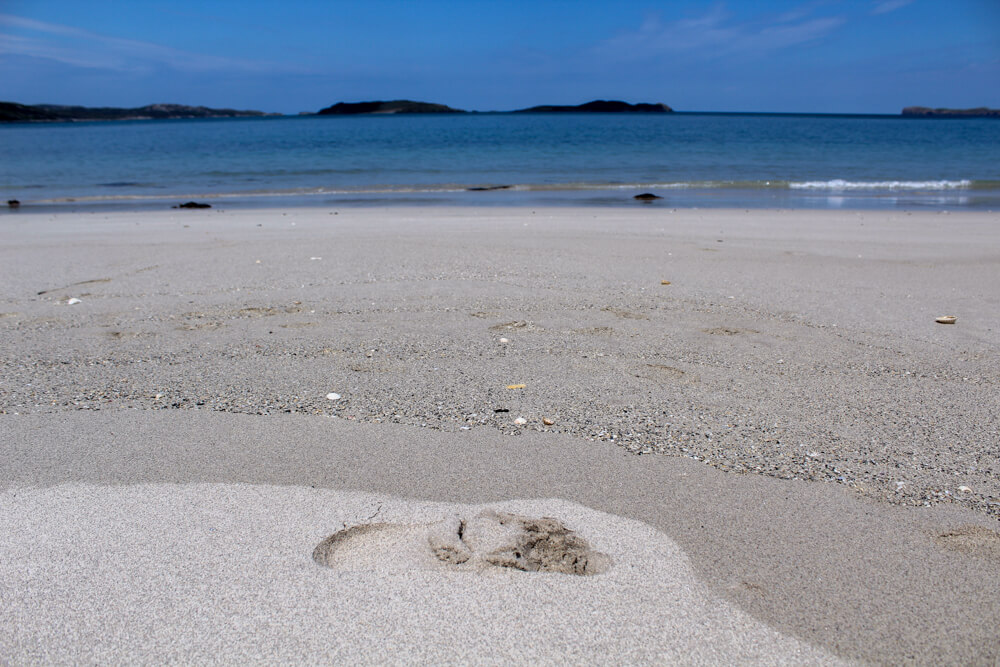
<point>408,106</point>
<point>14,112</point>
<point>927,112</point>
<point>383,107</point>
<point>600,106</point>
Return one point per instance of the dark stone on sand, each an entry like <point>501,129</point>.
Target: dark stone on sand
<point>13,203</point>
<point>192,204</point>
<point>600,106</point>
<point>647,196</point>
<point>927,112</point>
<point>383,107</point>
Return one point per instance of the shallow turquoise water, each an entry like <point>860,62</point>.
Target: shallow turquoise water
<point>601,159</point>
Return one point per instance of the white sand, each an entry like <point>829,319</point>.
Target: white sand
<point>822,452</point>
<point>149,574</point>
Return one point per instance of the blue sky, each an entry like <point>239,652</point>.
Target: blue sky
<point>866,56</point>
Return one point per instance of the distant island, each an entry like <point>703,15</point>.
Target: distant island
<point>408,106</point>
<point>13,112</point>
<point>927,112</point>
<point>600,106</point>
<point>381,107</point>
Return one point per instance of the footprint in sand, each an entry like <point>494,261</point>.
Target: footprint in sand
<point>728,331</point>
<point>488,540</point>
<point>518,325</point>
<point>972,540</point>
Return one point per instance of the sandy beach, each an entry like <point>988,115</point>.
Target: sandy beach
<point>752,415</point>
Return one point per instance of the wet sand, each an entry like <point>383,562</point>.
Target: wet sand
<point>761,397</point>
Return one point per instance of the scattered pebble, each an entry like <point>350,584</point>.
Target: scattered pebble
<point>664,282</point>
<point>520,421</point>
<point>550,422</point>
<point>505,340</point>
<point>516,386</point>
<point>333,397</point>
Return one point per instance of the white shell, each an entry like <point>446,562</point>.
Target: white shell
<point>333,397</point>
<point>520,421</point>
<point>73,301</point>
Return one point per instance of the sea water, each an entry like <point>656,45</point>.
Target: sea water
<point>691,159</point>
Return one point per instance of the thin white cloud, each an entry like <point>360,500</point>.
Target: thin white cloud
<point>83,48</point>
<point>18,45</point>
<point>890,6</point>
<point>718,32</point>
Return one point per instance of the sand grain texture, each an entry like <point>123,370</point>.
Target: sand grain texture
<point>782,439</point>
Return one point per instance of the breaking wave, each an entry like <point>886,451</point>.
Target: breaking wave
<point>839,184</point>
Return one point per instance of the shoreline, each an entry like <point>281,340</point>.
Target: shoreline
<point>767,389</point>
<point>503,198</point>
<point>836,194</point>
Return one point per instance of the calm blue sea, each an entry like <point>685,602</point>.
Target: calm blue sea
<point>693,160</point>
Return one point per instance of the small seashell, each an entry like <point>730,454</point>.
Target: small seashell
<point>505,340</point>
<point>664,282</point>
<point>547,421</point>
<point>73,301</point>
<point>333,397</point>
<point>965,489</point>
<point>945,319</point>
<point>520,421</point>
<point>516,386</point>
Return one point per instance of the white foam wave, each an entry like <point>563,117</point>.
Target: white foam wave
<point>839,184</point>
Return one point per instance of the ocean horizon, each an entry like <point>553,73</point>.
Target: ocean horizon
<point>691,159</point>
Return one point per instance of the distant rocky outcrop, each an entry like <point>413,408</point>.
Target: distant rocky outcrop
<point>600,106</point>
<point>14,112</point>
<point>927,112</point>
<point>382,107</point>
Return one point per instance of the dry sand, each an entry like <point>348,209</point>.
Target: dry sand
<point>171,458</point>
